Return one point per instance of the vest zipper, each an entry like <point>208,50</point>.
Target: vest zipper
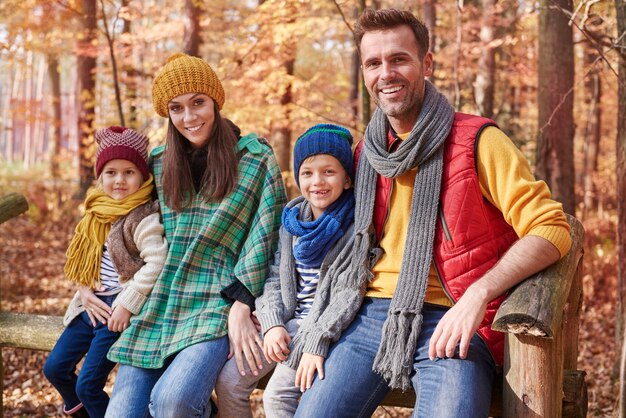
<point>443,286</point>
<point>446,231</point>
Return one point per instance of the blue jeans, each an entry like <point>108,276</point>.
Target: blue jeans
<point>444,388</point>
<point>181,388</point>
<point>80,338</point>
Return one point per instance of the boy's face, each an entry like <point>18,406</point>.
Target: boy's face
<point>322,180</point>
<point>120,178</point>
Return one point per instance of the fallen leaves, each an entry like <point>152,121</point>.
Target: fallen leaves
<point>32,255</point>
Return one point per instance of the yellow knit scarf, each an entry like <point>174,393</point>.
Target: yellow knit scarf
<point>84,254</point>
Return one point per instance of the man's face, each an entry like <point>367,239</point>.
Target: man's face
<point>395,75</point>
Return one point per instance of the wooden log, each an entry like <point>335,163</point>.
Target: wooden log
<point>12,205</point>
<point>575,400</point>
<point>40,332</point>
<point>535,306</point>
<point>533,376</point>
<point>571,320</point>
<point>36,332</point>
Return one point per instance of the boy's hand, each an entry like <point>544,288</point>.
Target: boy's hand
<point>276,344</point>
<point>96,309</point>
<point>120,320</point>
<point>309,364</point>
<point>244,339</point>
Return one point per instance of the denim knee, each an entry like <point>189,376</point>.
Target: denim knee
<point>54,371</point>
<point>171,404</point>
<point>87,390</point>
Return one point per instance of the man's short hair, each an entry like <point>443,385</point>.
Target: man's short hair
<point>385,19</point>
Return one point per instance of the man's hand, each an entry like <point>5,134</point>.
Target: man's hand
<point>120,320</point>
<point>458,325</point>
<point>96,309</point>
<point>276,344</point>
<point>309,364</point>
<point>245,341</point>
<point>526,257</point>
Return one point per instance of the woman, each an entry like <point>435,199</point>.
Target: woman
<point>221,198</point>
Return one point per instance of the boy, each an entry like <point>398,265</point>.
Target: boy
<point>300,310</point>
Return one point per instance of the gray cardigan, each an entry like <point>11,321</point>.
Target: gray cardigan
<point>337,299</point>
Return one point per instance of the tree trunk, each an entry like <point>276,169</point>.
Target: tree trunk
<point>365,96</point>
<point>429,17</point>
<point>355,80</point>
<point>281,129</point>
<point>192,39</point>
<point>116,83</point>
<point>55,99</point>
<point>28,98</point>
<point>555,149</point>
<point>131,74</point>
<point>620,6</point>
<point>457,53</point>
<point>86,68</point>
<point>591,143</point>
<point>485,79</point>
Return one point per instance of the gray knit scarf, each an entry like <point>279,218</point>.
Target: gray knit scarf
<point>423,148</point>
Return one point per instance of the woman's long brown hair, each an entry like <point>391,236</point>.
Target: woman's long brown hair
<point>220,175</point>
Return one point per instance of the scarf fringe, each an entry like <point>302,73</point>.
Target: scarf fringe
<point>78,271</point>
<point>394,360</point>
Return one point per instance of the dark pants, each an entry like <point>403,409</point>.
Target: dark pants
<point>81,338</point>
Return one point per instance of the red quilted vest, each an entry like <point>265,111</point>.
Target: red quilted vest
<point>471,234</point>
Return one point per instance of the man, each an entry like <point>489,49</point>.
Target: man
<point>460,220</point>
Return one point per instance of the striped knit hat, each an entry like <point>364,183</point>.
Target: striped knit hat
<point>183,74</point>
<point>324,138</point>
<point>121,143</point>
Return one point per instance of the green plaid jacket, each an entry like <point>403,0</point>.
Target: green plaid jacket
<point>210,246</point>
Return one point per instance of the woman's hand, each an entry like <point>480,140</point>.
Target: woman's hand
<point>96,309</point>
<point>120,320</point>
<point>276,344</point>
<point>244,339</point>
<point>309,364</point>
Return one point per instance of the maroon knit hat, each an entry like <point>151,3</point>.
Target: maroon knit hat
<point>121,143</point>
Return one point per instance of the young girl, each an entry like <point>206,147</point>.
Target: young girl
<point>300,297</point>
<point>115,256</point>
<point>221,196</point>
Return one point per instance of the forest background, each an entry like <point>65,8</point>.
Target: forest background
<point>548,72</point>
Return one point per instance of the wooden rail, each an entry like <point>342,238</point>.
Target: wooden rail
<point>11,206</point>
<point>540,318</point>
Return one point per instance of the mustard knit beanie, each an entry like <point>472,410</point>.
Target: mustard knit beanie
<point>184,74</point>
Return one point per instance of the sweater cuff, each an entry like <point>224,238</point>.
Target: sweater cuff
<point>131,300</point>
<point>238,292</point>
<point>559,236</point>
<point>316,344</point>
<point>269,320</point>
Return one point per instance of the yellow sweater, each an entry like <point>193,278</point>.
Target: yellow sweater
<point>505,181</point>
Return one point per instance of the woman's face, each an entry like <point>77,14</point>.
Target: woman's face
<point>193,116</point>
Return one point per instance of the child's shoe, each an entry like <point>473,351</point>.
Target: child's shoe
<point>78,411</point>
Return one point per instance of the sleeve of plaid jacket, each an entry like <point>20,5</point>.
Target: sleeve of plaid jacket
<point>257,251</point>
<point>269,306</point>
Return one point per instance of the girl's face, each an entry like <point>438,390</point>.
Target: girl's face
<point>120,178</point>
<point>193,115</point>
<point>322,180</point>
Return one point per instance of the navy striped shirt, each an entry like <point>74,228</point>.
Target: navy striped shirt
<point>309,276</point>
<point>109,279</point>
